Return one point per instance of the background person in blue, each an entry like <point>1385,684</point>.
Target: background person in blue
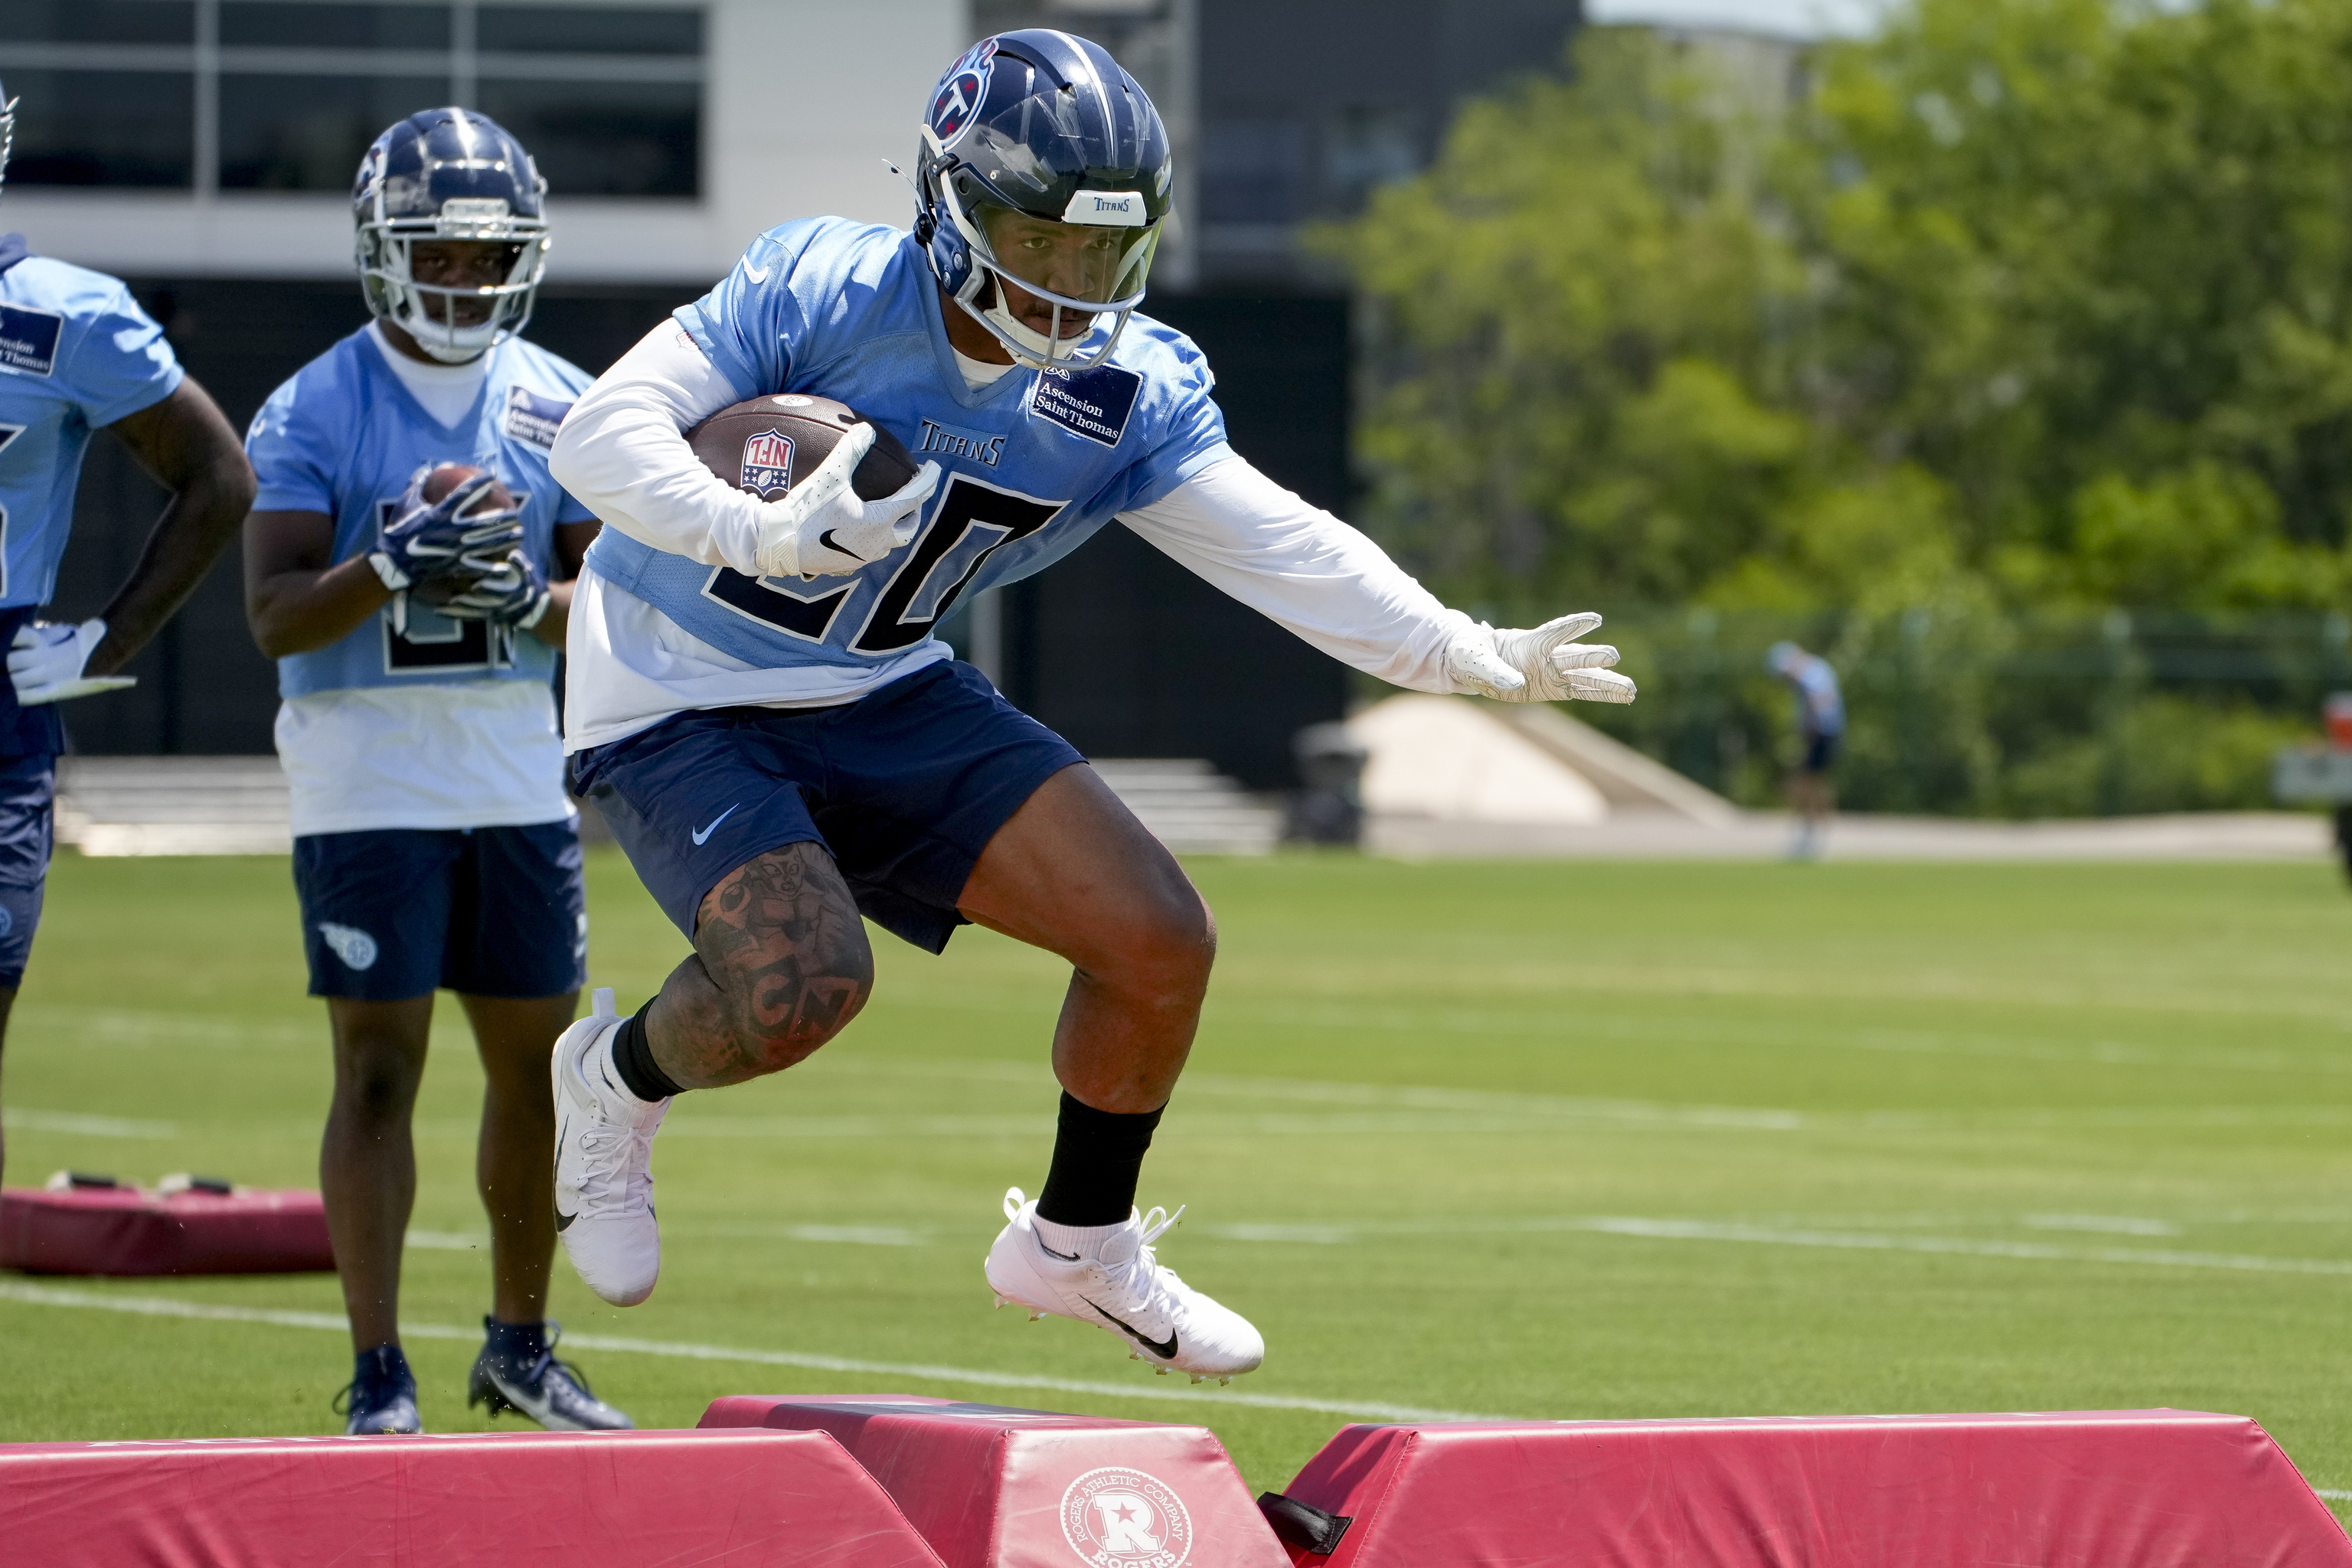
<point>1821,733</point>
<point>76,353</point>
<point>415,640</point>
<point>757,702</point>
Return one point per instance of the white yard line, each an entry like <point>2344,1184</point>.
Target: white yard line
<point>1700,1230</point>
<point>1343,1234</point>
<point>78,1125</point>
<point>1144,1388</point>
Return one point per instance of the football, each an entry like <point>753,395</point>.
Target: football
<point>448,477</point>
<point>769,444</point>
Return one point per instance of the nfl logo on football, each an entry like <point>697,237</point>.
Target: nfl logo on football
<point>767,462</point>
<point>1118,1517</point>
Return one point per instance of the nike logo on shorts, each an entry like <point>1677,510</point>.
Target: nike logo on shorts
<point>702,835</point>
<point>756,274</point>
<point>1165,1351</point>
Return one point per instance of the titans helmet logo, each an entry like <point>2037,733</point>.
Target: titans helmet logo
<point>960,93</point>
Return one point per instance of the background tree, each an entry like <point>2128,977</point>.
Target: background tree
<point>2029,311</point>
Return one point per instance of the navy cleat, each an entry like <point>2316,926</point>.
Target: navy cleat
<point>381,1399</point>
<point>518,1371</point>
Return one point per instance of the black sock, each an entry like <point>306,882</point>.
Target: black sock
<point>633,1058</point>
<point>1097,1157</point>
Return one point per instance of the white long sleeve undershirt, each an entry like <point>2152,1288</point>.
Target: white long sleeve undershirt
<point>621,454</point>
<point>1304,569</point>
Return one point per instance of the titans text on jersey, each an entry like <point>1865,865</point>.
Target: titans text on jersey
<point>1033,463</point>
<point>758,703</point>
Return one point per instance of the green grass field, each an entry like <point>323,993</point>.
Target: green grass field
<point>1562,1140</point>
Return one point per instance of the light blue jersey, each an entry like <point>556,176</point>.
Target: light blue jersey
<point>75,353</point>
<point>1033,463</point>
<point>1821,706</point>
<point>343,437</point>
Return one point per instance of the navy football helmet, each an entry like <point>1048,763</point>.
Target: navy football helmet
<point>449,175</point>
<point>1043,164</point>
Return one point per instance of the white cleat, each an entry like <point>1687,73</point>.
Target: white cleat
<point>603,1163</point>
<point>1123,1290</point>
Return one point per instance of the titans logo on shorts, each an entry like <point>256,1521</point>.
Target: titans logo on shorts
<point>403,911</point>
<point>904,788</point>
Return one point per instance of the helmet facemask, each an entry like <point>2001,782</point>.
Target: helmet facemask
<point>1041,182</point>
<point>1083,271</point>
<point>454,324</point>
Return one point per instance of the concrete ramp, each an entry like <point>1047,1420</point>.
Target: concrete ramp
<point>1462,759</point>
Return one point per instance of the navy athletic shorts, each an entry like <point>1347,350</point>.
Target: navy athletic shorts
<point>402,912</point>
<point>27,786</point>
<point>1822,753</point>
<point>903,788</point>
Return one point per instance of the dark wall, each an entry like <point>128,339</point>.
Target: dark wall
<point>1128,654</point>
<point>1308,106</point>
<point>1117,648</point>
<point>203,686</point>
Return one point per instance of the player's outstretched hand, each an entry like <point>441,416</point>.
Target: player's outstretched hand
<point>822,529</point>
<point>437,538</point>
<point>45,663</point>
<point>1544,664</point>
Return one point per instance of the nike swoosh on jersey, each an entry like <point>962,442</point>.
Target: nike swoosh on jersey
<point>702,835</point>
<point>1165,1351</point>
<point>756,274</point>
<point>827,539</point>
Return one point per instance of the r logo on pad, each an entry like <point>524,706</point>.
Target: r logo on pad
<point>1119,1518</point>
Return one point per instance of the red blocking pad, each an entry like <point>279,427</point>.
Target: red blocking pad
<point>993,1487</point>
<point>2130,1489</point>
<point>122,1230</point>
<point>537,1499</point>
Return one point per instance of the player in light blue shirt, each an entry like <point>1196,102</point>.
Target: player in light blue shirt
<point>77,354</point>
<point>1821,735</point>
<point>758,703</point>
<point>409,563</point>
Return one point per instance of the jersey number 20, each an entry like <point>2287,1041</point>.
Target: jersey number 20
<point>972,521</point>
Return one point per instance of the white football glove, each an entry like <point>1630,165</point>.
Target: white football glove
<point>1546,665</point>
<point>46,661</point>
<point>822,529</point>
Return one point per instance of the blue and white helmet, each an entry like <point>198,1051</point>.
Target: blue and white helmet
<point>1043,164</point>
<point>449,175</point>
